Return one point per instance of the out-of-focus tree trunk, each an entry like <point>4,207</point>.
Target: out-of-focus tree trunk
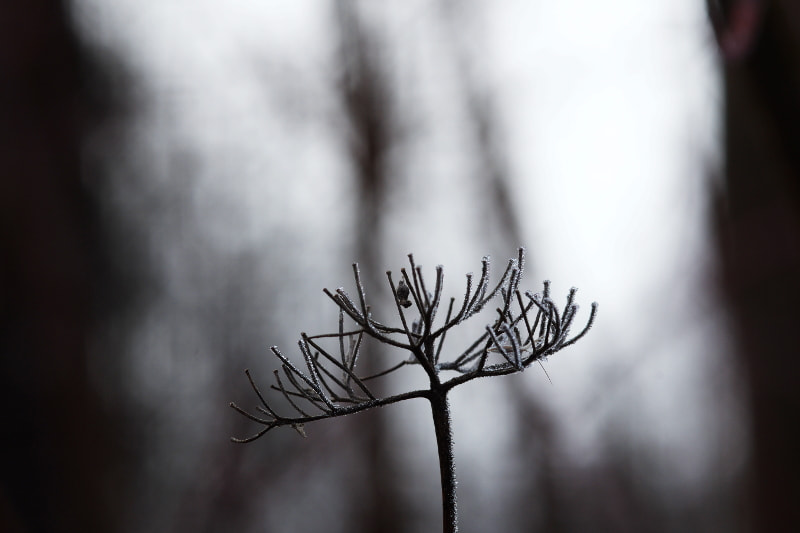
<point>366,102</point>
<point>760,238</point>
<point>56,444</point>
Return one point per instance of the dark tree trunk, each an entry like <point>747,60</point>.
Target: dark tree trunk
<point>55,445</point>
<point>760,239</point>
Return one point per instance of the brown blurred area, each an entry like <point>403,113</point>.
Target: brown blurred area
<point>759,221</point>
<point>58,449</point>
<point>64,464</point>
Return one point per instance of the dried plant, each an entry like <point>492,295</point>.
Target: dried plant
<point>527,328</point>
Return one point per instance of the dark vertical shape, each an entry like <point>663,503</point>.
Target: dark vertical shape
<point>365,96</point>
<point>760,239</point>
<point>490,162</point>
<point>364,92</point>
<point>540,483</point>
<point>56,440</point>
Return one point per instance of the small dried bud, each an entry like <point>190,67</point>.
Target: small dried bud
<point>402,294</point>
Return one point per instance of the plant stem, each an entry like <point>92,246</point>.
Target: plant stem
<point>440,408</point>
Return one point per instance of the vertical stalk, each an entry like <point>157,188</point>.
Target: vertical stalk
<point>440,407</point>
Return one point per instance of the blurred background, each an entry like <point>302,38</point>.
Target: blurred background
<point>180,179</point>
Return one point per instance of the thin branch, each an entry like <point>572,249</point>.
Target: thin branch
<point>480,290</point>
<point>343,411</point>
<point>423,289</point>
<point>258,393</point>
<point>437,294</point>
<point>586,329</point>
<point>416,281</point>
<point>254,437</point>
<point>413,288</point>
<point>286,395</point>
<point>304,393</point>
<point>460,315</point>
<point>312,371</point>
<point>356,316</point>
<point>251,417</point>
<point>444,332</point>
<point>400,312</point>
<point>339,335</point>
<point>348,370</point>
<point>387,371</point>
<point>362,297</point>
<point>287,365</point>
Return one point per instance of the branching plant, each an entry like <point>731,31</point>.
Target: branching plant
<point>526,328</point>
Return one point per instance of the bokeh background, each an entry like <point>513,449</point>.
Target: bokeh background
<point>180,179</point>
